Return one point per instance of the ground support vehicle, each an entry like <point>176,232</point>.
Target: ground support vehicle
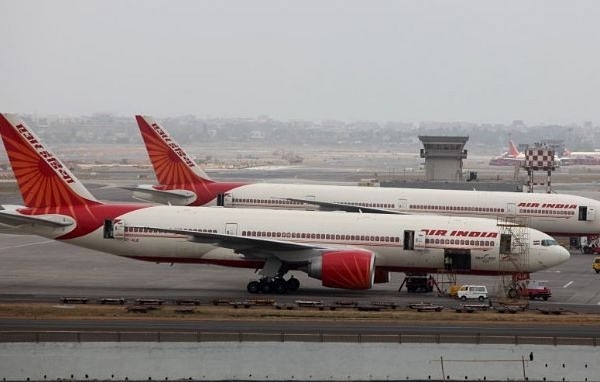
<point>596,264</point>
<point>478,292</point>
<point>531,289</point>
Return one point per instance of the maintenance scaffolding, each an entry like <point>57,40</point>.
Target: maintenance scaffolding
<point>513,252</point>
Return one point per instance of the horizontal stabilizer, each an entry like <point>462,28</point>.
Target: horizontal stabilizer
<point>13,218</point>
<point>148,193</point>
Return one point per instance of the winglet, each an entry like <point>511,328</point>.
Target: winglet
<point>45,182</point>
<point>172,165</point>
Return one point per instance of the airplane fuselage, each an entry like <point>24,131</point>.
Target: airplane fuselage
<point>399,242</point>
<point>554,214</point>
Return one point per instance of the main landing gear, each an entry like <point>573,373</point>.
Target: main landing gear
<point>275,285</point>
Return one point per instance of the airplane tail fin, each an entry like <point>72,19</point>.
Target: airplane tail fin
<point>172,165</point>
<point>45,182</point>
<point>512,149</point>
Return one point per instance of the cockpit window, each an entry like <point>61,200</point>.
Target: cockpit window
<point>549,242</point>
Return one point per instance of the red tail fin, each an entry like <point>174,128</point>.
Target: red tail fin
<point>512,149</point>
<point>45,182</point>
<point>171,164</point>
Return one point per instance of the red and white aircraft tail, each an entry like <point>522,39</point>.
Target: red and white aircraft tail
<point>46,184</point>
<point>57,204</point>
<point>181,180</point>
<point>171,163</point>
<point>513,151</point>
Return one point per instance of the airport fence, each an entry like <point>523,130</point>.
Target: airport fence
<point>199,336</point>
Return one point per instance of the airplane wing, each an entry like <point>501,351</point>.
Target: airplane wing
<point>286,251</point>
<point>13,218</point>
<point>337,266</point>
<point>332,206</point>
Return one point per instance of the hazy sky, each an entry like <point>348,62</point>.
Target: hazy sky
<point>478,61</point>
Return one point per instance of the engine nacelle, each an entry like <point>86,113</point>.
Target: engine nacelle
<point>346,269</point>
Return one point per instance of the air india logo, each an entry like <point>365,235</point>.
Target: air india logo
<point>459,233</point>
<point>47,156</point>
<point>172,145</point>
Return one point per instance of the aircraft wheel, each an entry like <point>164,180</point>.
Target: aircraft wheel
<point>253,287</point>
<point>266,287</point>
<point>279,286</point>
<point>292,284</point>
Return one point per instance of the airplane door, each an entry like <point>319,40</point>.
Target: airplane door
<point>227,200</point>
<point>457,259</point>
<point>409,240</point>
<point>119,229</point>
<point>505,243</point>
<point>109,232</point>
<point>420,240</point>
<point>403,204</point>
<point>586,213</point>
<point>414,240</point>
<point>591,215</point>
<point>511,209</point>
<point>231,228</point>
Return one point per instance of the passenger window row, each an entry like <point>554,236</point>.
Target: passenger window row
<point>455,208</point>
<point>321,236</point>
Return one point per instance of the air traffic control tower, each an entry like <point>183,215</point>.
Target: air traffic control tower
<point>443,157</point>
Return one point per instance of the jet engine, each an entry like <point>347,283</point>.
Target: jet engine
<point>346,269</point>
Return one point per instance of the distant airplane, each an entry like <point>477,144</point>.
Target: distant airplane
<point>512,157</point>
<point>589,158</point>
<point>182,182</point>
<point>350,251</point>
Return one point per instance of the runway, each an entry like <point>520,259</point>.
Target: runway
<point>397,331</point>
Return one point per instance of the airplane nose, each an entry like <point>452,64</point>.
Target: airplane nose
<point>559,255</point>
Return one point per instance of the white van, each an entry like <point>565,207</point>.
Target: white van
<point>472,291</point>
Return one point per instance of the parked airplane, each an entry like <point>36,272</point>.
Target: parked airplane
<point>343,250</point>
<point>512,157</point>
<point>182,182</point>
<point>586,158</point>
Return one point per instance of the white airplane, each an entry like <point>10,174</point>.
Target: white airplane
<point>182,182</point>
<point>580,158</point>
<point>343,250</point>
